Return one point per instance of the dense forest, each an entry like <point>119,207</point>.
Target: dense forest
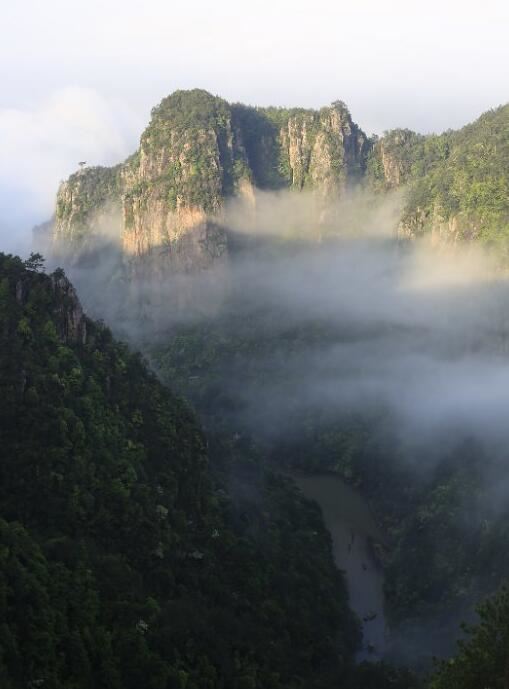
<point>457,182</point>
<point>135,551</point>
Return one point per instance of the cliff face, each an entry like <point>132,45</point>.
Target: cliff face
<point>28,287</point>
<point>190,158</point>
<point>326,150</point>
<point>88,205</point>
<point>392,159</point>
<point>68,315</point>
<point>165,203</point>
<point>303,149</point>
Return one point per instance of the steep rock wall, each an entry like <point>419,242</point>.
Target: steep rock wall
<point>164,205</point>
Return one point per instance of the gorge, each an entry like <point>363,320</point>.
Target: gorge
<point>322,305</point>
<point>294,279</point>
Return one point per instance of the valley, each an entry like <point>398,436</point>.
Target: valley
<point>300,480</point>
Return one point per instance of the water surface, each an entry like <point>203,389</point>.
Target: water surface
<point>353,530</point>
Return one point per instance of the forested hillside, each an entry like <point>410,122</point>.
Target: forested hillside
<point>458,182</point>
<point>127,559</point>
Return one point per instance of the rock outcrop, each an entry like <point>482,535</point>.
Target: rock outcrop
<point>69,316</point>
<point>392,159</point>
<point>164,205</point>
<point>28,287</point>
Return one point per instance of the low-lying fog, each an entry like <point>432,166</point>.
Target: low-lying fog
<point>417,330</point>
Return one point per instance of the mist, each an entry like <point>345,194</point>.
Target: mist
<point>421,336</point>
<point>418,331</point>
<point>321,334</point>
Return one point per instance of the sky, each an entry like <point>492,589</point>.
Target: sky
<point>79,78</point>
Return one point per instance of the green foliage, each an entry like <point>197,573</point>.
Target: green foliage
<point>205,162</point>
<point>35,262</point>
<point>462,176</point>
<point>193,109</point>
<point>85,194</point>
<point>483,658</point>
<point>457,181</point>
<point>266,134</point>
<point>124,562</point>
<point>393,158</point>
<point>260,138</point>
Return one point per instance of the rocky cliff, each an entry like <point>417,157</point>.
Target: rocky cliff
<point>27,285</point>
<point>392,158</point>
<point>322,150</point>
<point>88,205</point>
<point>166,201</point>
<point>165,204</point>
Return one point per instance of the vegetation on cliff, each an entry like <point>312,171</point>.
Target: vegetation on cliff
<point>301,148</point>
<point>203,157</point>
<point>197,151</point>
<point>458,184</point>
<point>87,204</point>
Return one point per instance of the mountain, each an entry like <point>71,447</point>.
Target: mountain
<point>133,551</point>
<point>250,368</point>
<point>197,151</point>
<point>458,182</point>
<point>165,203</point>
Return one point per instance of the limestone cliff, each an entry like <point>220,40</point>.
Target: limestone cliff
<point>326,150</point>
<point>164,204</point>
<point>322,150</point>
<point>88,205</point>
<point>190,158</point>
<point>392,159</point>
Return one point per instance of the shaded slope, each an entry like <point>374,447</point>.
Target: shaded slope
<point>122,563</point>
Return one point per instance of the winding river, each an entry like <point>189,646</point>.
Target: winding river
<point>353,529</point>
